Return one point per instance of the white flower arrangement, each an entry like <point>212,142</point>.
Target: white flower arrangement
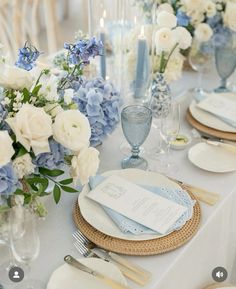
<point>40,131</point>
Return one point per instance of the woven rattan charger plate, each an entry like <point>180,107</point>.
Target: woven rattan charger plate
<point>139,248</point>
<point>208,130</point>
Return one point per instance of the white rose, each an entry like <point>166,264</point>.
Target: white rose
<point>23,166</point>
<point>53,109</point>
<point>203,32</point>
<point>15,78</point>
<point>210,8</point>
<point>230,15</point>
<point>68,95</point>
<point>32,127</point>
<point>71,129</point>
<point>164,40</point>
<point>166,19</point>
<point>6,149</point>
<point>165,7</point>
<point>183,37</point>
<point>84,165</point>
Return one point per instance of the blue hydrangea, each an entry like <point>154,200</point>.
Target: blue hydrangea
<point>100,102</point>
<point>83,49</point>
<point>27,57</point>
<point>8,181</point>
<point>182,18</point>
<point>53,159</point>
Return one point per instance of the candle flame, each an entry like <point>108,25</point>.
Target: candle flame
<point>102,23</point>
<point>142,31</point>
<point>104,13</point>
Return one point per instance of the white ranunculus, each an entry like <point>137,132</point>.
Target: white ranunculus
<point>193,5</point>
<point>23,166</point>
<point>166,19</point>
<point>203,32</point>
<point>49,87</point>
<point>84,165</point>
<point>164,40</point>
<point>15,78</point>
<point>165,7</point>
<point>53,109</point>
<point>183,37</point>
<point>6,149</point>
<point>68,95</point>
<point>71,129</point>
<point>32,127</point>
<point>230,15</point>
<point>210,8</point>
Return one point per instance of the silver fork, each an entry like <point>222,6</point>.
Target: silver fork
<point>115,257</point>
<point>86,252</point>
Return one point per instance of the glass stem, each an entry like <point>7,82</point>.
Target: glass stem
<point>135,151</point>
<point>27,277</point>
<point>200,80</point>
<point>12,259</point>
<point>223,82</point>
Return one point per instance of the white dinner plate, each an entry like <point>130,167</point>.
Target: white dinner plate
<point>68,277</point>
<point>209,119</point>
<point>94,214</point>
<point>212,158</point>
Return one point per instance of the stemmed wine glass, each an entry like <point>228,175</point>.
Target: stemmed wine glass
<point>136,123</point>
<point>25,243</point>
<point>200,56</point>
<point>170,126</point>
<point>5,241</point>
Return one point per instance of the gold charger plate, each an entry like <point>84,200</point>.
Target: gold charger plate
<point>140,248</point>
<point>208,130</point>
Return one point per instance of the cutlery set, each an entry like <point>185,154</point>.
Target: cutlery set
<point>129,269</point>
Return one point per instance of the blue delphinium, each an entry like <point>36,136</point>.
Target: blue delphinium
<point>52,159</point>
<point>83,49</point>
<point>27,57</point>
<point>182,18</point>
<point>8,181</point>
<point>100,102</point>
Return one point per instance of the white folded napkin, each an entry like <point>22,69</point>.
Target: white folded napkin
<point>218,105</point>
<point>127,225</point>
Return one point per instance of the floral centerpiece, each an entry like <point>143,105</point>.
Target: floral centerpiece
<point>96,98</point>
<point>41,132</point>
<point>218,16</point>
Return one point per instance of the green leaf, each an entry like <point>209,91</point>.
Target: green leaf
<point>51,173</point>
<point>36,89</point>
<point>66,182</point>
<point>19,192</point>
<point>26,94</point>
<point>57,193</point>
<point>69,189</point>
<point>22,151</point>
<point>34,182</point>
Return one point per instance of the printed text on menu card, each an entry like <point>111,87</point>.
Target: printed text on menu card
<point>136,203</point>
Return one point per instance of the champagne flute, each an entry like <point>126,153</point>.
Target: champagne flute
<point>170,126</point>
<point>25,243</point>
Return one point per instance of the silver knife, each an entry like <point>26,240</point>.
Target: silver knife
<point>106,280</point>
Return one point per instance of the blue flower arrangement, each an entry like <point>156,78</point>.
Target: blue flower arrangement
<point>27,57</point>
<point>100,102</point>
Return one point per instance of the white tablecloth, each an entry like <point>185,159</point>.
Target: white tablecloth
<point>189,267</point>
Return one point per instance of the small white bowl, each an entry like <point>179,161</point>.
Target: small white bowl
<point>181,141</point>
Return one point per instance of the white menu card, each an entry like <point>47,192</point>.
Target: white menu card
<point>220,106</point>
<point>136,203</point>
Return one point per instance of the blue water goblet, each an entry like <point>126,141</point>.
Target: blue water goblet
<point>225,59</point>
<point>136,123</point>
